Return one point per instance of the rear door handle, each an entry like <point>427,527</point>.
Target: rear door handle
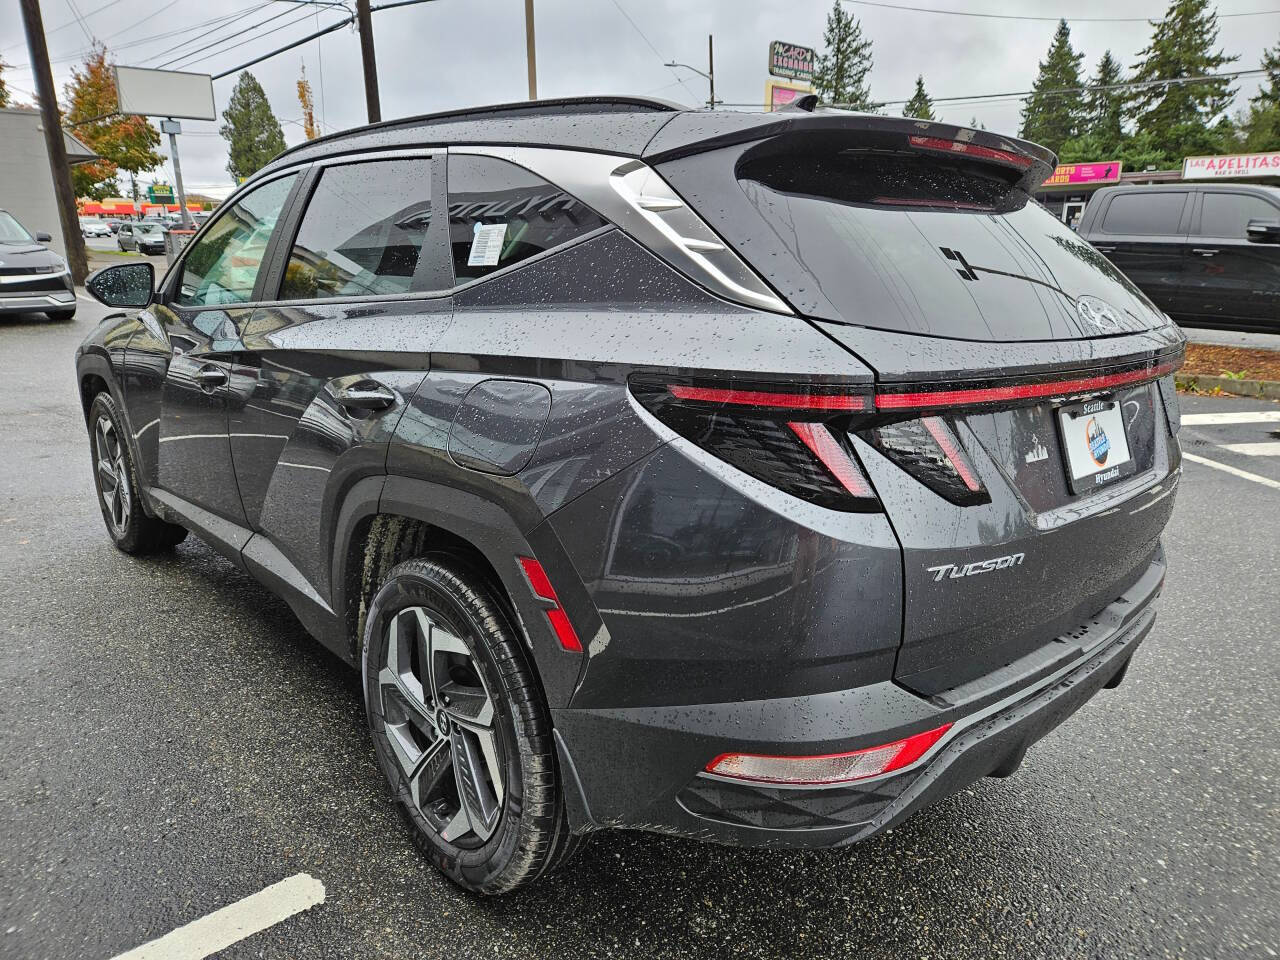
<point>365,395</point>
<point>1205,251</point>
<point>210,377</point>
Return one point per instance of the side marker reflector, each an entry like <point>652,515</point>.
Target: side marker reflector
<point>540,583</point>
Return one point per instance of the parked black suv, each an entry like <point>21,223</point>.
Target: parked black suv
<point>755,478</point>
<point>1206,254</point>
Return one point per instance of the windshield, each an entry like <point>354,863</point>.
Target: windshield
<point>11,230</point>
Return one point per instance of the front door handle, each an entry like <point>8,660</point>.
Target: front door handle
<point>1101,249</point>
<point>1205,251</point>
<point>365,395</point>
<point>210,377</point>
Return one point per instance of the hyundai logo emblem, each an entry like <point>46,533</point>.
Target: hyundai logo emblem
<point>1098,313</point>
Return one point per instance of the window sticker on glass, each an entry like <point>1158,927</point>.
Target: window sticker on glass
<point>486,245</point>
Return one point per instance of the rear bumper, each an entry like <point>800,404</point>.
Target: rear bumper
<point>644,768</point>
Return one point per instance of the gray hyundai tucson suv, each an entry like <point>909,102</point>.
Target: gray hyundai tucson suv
<point>752,478</point>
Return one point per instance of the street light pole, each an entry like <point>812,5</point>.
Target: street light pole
<point>530,50</point>
<point>55,146</point>
<point>709,76</point>
<point>364,19</point>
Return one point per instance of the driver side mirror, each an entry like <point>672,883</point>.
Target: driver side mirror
<point>1263,231</point>
<point>126,285</point>
<point>42,237</point>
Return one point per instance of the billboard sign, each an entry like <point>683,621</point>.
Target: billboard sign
<point>791,61</point>
<point>160,193</point>
<point>164,93</point>
<point>778,94</point>
<point>1231,165</point>
<point>1065,174</point>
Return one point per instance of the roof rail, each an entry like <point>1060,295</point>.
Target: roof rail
<point>521,108</point>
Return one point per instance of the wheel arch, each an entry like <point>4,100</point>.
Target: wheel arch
<point>386,520</point>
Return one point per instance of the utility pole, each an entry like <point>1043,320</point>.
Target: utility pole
<point>711,70</point>
<point>365,22</point>
<point>54,143</point>
<point>530,50</point>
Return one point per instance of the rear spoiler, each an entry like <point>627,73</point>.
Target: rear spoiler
<point>689,133</point>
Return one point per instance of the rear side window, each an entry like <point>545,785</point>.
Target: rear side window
<point>1227,214</point>
<point>1144,213</point>
<point>222,266</point>
<point>363,232</point>
<point>500,214</point>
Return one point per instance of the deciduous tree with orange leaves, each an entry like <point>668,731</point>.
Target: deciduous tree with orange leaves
<point>123,143</point>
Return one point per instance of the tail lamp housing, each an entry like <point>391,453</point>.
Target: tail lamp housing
<point>827,768</point>
<point>795,439</point>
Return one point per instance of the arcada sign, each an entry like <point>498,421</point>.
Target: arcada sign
<point>1231,165</point>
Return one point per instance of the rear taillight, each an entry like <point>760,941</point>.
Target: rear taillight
<point>829,767</point>
<point>793,439</point>
<point>930,451</point>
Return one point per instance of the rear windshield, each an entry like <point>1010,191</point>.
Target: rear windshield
<point>920,243</point>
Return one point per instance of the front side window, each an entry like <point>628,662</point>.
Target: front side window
<point>1228,214</point>
<point>363,233</point>
<point>222,266</point>
<point>500,214</point>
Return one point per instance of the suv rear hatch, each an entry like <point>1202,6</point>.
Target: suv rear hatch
<point>1020,435</point>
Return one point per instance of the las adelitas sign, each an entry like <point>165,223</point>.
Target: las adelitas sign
<point>1227,166</point>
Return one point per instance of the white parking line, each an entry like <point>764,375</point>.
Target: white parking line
<point>234,923</point>
<point>1266,448</point>
<point>1245,474</point>
<point>1237,416</point>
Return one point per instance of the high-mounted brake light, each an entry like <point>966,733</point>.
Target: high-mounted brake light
<point>540,583</point>
<point>924,399</point>
<point>830,767</point>
<point>972,150</point>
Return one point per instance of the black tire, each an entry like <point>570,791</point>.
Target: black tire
<point>531,835</point>
<point>128,524</point>
<point>61,315</point>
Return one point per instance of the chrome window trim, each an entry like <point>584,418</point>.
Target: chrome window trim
<point>605,182</point>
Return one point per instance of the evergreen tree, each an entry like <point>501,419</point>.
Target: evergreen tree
<point>1179,115</point>
<point>840,73</point>
<point>975,125</point>
<point>919,106</point>
<point>4,90</point>
<point>251,130</point>
<point>1104,105</point>
<point>1260,127</point>
<point>123,143</point>
<point>1054,112</point>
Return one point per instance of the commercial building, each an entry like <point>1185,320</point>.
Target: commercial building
<point>1067,191</point>
<point>26,184</point>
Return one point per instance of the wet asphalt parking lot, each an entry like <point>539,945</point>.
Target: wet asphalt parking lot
<point>171,742</point>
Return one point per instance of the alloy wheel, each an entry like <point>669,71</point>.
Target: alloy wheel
<point>113,474</point>
<point>440,722</point>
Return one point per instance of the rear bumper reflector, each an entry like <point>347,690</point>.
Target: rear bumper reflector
<point>829,767</point>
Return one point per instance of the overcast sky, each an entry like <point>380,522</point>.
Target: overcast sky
<point>451,53</point>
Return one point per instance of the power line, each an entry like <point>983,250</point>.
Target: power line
<point>214,25</point>
<point>209,56</point>
<point>1017,16</point>
<point>636,28</point>
<point>69,23</point>
<point>253,26</point>
<point>981,98</point>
